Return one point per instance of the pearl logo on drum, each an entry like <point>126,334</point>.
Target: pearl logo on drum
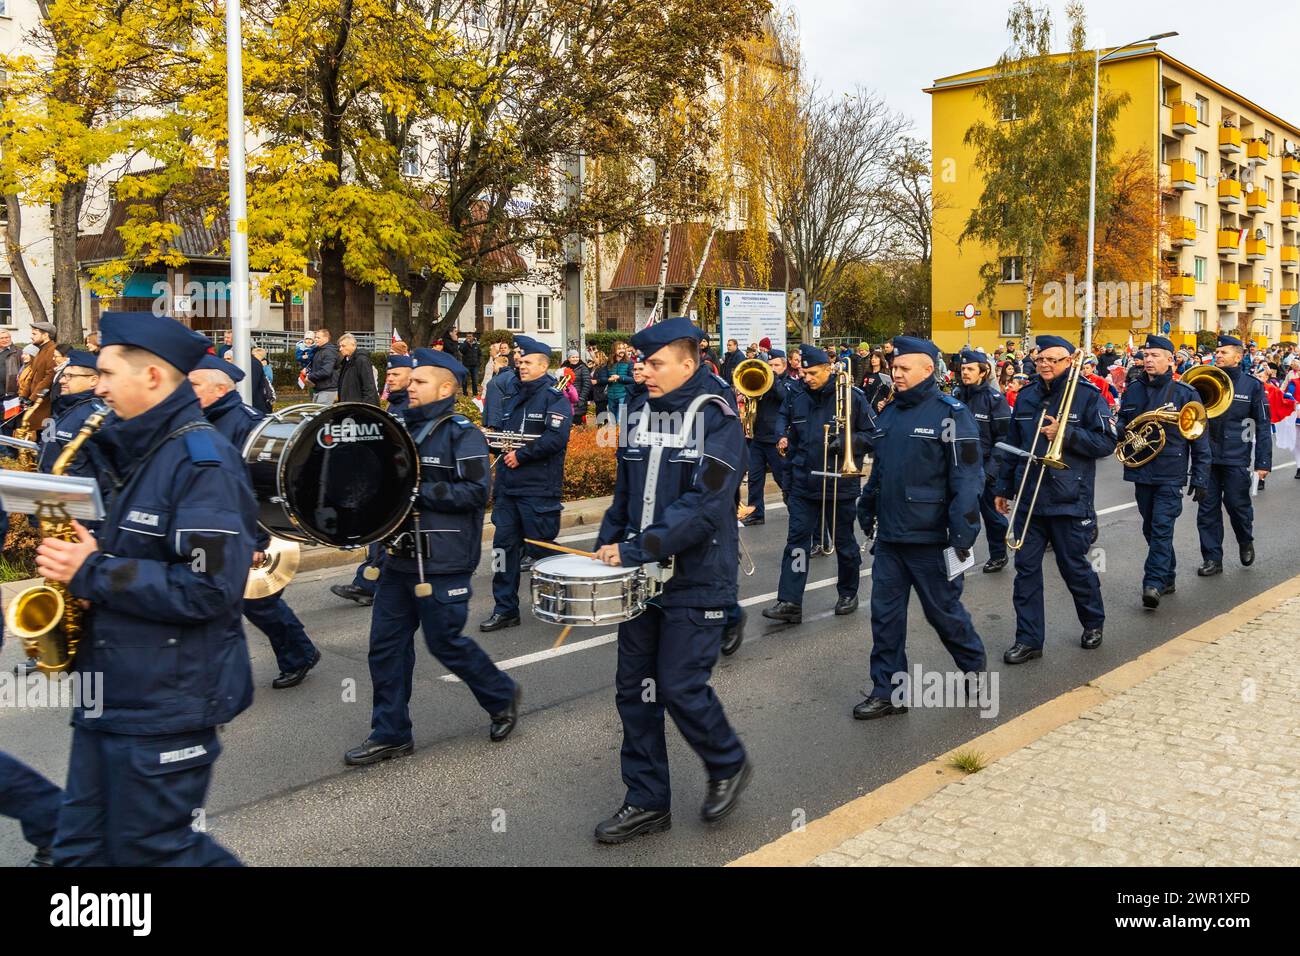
<point>348,430</point>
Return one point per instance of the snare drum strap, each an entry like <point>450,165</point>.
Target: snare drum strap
<point>690,422</point>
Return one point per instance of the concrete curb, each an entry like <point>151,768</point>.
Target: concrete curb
<point>872,809</point>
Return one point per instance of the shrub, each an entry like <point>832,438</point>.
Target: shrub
<point>589,467</point>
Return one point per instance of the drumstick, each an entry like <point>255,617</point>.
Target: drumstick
<point>560,547</point>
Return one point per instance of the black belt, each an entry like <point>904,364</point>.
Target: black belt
<point>404,545</point>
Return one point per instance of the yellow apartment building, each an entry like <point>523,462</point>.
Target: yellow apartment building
<point>1229,175</point>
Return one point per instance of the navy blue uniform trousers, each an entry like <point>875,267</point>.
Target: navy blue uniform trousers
<point>133,801</point>
<point>763,457</point>
<point>1229,488</point>
<point>1071,539</point>
<point>1160,506</point>
<point>397,612</point>
<point>293,648</point>
<point>665,659</point>
<point>896,570</point>
<point>30,799</point>
<point>805,525</point>
<point>517,518</point>
<point>995,523</point>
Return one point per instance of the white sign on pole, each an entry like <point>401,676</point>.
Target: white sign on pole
<point>969,323</point>
<point>748,316</point>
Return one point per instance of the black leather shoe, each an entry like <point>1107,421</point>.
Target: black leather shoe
<point>1247,555</point>
<point>733,635</point>
<point>525,563</point>
<point>505,721</point>
<point>498,622</point>
<point>353,593</point>
<point>846,605</point>
<point>1090,638</point>
<point>294,678</point>
<point>26,666</point>
<point>1150,598</point>
<point>1209,569</point>
<point>784,611</point>
<point>721,797</point>
<point>1261,484</point>
<point>994,564</point>
<point>874,707</point>
<point>818,552</point>
<point>1169,588</point>
<point>752,520</point>
<point>373,752</point>
<point>1019,653</point>
<point>41,857</point>
<point>631,822</point>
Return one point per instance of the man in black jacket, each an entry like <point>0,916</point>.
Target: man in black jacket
<point>733,358</point>
<point>471,356</point>
<point>581,384</point>
<point>452,344</point>
<point>323,373</point>
<point>356,373</point>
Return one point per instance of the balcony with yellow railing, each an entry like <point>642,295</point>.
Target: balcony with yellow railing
<point>1256,151</point>
<point>1256,249</point>
<point>1182,231</point>
<point>1228,242</point>
<point>1229,192</point>
<point>1227,293</point>
<point>1182,174</point>
<point>1291,258</point>
<point>1182,288</point>
<point>1291,212</point>
<point>1290,167</point>
<point>1255,295</point>
<point>1257,200</point>
<point>1183,116</point>
<point>1289,298</point>
<point>1229,140</point>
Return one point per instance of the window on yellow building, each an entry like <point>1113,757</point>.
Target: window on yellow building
<point>1012,321</point>
<point>1012,267</point>
<point>1202,111</point>
<point>1202,216</point>
<point>1201,159</point>
<point>1200,320</point>
<point>1199,266</point>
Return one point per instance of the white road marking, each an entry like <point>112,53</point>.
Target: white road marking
<point>747,602</point>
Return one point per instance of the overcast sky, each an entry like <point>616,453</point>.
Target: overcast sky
<point>900,47</point>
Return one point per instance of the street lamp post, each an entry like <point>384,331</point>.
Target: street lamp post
<point>241,347</point>
<point>1091,292</point>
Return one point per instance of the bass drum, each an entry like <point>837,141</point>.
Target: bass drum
<point>342,475</point>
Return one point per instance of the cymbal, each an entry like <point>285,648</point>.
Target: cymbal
<point>275,571</point>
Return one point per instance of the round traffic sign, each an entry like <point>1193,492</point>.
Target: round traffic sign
<point>969,311</point>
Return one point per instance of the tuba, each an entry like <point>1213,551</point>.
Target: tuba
<point>45,617</point>
<point>752,379</point>
<point>1144,438</point>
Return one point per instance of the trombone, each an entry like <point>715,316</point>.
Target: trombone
<point>848,465</point>
<point>1053,458</point>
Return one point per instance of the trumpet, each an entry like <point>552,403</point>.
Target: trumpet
<point>505,441</point>
<point>753,379</point>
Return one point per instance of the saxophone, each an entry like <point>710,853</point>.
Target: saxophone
<point>27,432</point>
<point>46,617</point>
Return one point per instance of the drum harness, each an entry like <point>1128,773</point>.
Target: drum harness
<point>422,589</point>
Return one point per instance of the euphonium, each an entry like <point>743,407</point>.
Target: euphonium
<point>46,617</point>
<point>1214,387</point>
<point>752,379</point>
<point>1145,435</point>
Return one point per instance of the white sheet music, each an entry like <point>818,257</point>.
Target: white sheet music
<point>956,565</point>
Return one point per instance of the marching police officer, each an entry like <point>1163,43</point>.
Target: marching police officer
<point>991,411</point>
<point>530,479</point>
<point>1159,483</point>
<point>362,588</point>
<point>74,404</point>
<point>816,498</point>
<point>764,455</point>
<point>1233,435</point>
<point>165,581</point>
<point>674,503</point>
<point>922,497</point>
<point>1063,513</point>
<point>425,582</point>
<point>213,380</point>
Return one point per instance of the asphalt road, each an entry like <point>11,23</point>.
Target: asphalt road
<point>281,794</point>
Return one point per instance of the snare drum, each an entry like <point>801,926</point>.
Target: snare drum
<point>343,475</point>
<point>568,589</point>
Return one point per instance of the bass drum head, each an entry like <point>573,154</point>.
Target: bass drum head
<point>349,474</point>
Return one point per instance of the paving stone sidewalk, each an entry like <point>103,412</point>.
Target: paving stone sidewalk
<point>1197,765</point>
